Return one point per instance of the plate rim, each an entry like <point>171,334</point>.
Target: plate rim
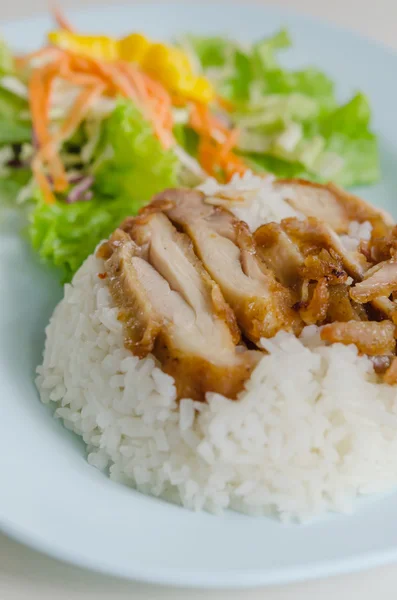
<point>219,579</point>
<point>199,579</point>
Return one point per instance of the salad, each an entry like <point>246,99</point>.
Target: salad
<point>92,126</point>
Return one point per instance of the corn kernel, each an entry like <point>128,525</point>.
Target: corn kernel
<point>169,65</point>
<point>133,47</point>
<point>202,91</point>
<point>94,46</point>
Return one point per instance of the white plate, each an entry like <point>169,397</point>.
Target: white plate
<point>50,497</point>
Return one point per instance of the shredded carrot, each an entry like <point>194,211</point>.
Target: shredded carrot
<point>42,181</point>
<point>207,155</point>
<point>48,52</point>
<point>109,73</point>
<point>79,111</point>
<point>230,142</point>
<point>77,114</point>
<point>162,98</point>
<point>216,143</point>
<point>132,76</point>
<point>205,123</point>
<point>80,79</point>
<point>154,101</point>
<point>60,19</point>
<point>179,101</point>
<point>124,78</point>
<point>155,88</point>
<point>39,96</point>
<point>119,81</point>
<point>225,104</point>
<point>40,87</point>
<point>38,107</point>
<point>234,166</point>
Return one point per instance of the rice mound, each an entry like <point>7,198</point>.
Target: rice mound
<point>312,430</point>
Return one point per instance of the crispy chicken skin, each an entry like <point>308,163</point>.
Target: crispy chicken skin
<point>280,253</point>
<point>371,338</point>
<point>307,256</point>
<point>286,245</point>
<point>380,248</point>
<point>312,236</point>
<point>381,280</point>
<point>342,308</point>
<point>315,311</point>
<point>169,306</point>
<point>384,307</point>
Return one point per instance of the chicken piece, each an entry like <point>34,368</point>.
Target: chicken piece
<point>330,204</point>
<point>311,235</point>
<point>141,323</point>
<point>181,328</point>
<point>341,307</point>
<point>228,252</point>
<point>323,264</point>
<point>280,254</point>
<point>370,337</point>
<point>172,255</point>
<point>306,249</point>
<point>316,310</point>
<point>384,307</point>
<point>381,280</point>
<point>390,376</point>
<point>382,248</point>
<point>300,251</point>
<point>303,251</point>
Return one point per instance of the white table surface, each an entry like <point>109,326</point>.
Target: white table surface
<point>28,575</point>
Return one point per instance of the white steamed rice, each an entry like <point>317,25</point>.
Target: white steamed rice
<point>312,430</point>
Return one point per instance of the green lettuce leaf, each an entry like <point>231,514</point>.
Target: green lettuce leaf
<point>138,166</point>
<point>65,234</point>
<point>348,135</point>
<point>337,144</point>
<point>309,82</point>
<point>13,129</point>
<point>6,59</point>
<point>187,138</point>
<point>264,52</point>
<point>210,51</point>
<point>352,119</point>
<point>360,159</point>
<point>14,132</point>
<point>11,105</point>
<point>273,110</point>
<point>270,164</point>
<point>238,85</point>
<point>12,183</point>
